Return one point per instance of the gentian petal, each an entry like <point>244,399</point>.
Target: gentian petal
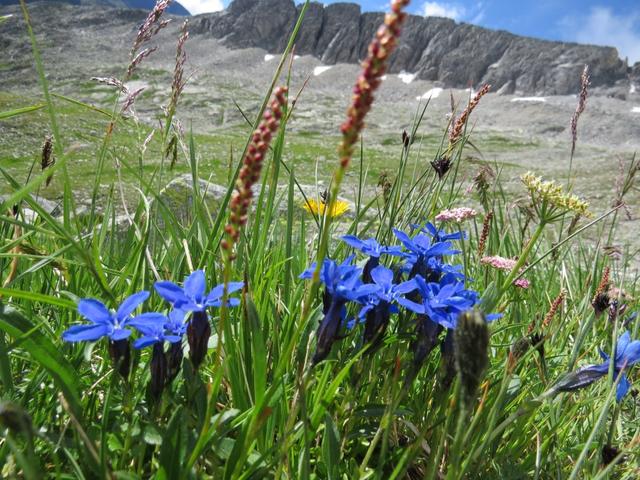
<point>148,320</point>
<point>217,291</point>
<point>130,304</point>
<point>194,285</point>
<point>353,241</point>
<point>171,292</point>
<point>120,334</point>
<point>622,344</point>
<point>145,341</point>
<point>86,333</point>
<point>414,307</point>
<point>632,353</point>
<point>623,388</point>
<point>382,275</point>
<point>405,287</point>
<point>94,310</point>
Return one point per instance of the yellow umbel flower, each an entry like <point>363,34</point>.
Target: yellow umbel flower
<point>318,208</point>
<point>553,194</point>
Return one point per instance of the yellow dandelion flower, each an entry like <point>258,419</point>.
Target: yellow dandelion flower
<point>554,195</point>
<point>318,208</point>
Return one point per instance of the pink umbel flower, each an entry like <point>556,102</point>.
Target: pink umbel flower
<point>505,264</point>
<point>498,262</point>
<point>522,283</point>
<point>457,215</point>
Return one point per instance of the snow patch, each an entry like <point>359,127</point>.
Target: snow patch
<point>320,70</point>
<point>406,77</point>
<point>433,93</point>
<point>635,110</point>
<point>383,78</point>
<point>632,88</point>
<point>529,99</point>
<point>268,57</point>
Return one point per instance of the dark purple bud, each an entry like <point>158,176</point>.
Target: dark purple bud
<point>328,330</point>
<point>427,333</point>
<point>376,322</point>
<point>120,353</point>
<point>158,367</point>
<point>447,350</point>
<point>174,360</point>
<point>198,333</point>
<point>579,379</point>
<point>372,263</point>
<point>326,301</point>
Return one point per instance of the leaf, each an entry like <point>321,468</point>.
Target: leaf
<point>43,351</point>
<point>173,448</point>
<point>19,111</point>
<point>331,447</point>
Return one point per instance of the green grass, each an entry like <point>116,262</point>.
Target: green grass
<point>257,408</point>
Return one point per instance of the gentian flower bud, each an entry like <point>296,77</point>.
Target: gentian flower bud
<point>120,353</point>
<point>158,368</point>
<point>174,360</point>
<point>198,333</point>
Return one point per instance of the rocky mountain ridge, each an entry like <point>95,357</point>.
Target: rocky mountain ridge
<point>175,8</point>
<point>435,49</point>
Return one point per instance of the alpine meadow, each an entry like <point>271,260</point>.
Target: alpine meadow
<point>324,310</point>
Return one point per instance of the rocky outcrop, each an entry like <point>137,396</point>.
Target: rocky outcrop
<point>174,8</point>
<point>436,49</point>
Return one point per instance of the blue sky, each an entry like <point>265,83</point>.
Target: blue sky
<point>600,22</point>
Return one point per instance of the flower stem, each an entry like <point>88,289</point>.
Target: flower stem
<point>515,272</point>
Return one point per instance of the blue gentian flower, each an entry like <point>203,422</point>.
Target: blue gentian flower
<point>433,266</point>
<point>342,284</point>
<point>370,246</point>
<point>191,297</point>
<point>442,302</point>
<point>424,255</point>
<point>422,245</point>
<point>439,235</point>
<point>175,322</point>
<point>373,249</point>
<point>627,355</point>
<point>103,322</point>
<point>153,327</point>
<point>380,304</point>
<point>388,291</point>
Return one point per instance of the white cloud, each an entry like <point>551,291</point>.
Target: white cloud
<point>442,9</point>
<point>196,7</point>
<point>603,27</point>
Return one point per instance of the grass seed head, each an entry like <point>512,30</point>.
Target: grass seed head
<point>471,339</point>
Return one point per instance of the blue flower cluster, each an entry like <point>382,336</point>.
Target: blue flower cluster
<point>422,283</point>
<point>187,316</point>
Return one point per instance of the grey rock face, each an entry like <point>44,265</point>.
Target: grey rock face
<point>436,49</point>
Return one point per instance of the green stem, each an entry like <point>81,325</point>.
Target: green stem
<point>515,272</point>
